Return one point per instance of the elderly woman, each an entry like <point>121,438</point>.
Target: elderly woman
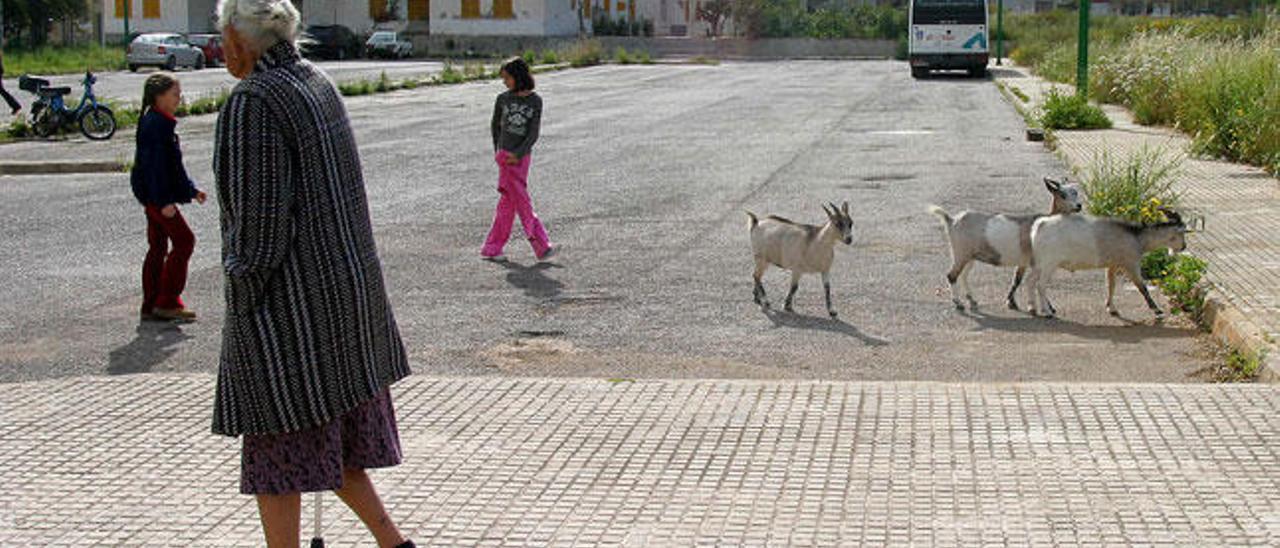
<point>310,347</point>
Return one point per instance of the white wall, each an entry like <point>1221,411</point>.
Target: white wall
<point>174,17</point>
<point>532,18</point>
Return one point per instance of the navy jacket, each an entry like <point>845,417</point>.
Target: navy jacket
<point>158,176</point>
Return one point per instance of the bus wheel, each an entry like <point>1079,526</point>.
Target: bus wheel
<point>919,72</point>
<point>977,72</point>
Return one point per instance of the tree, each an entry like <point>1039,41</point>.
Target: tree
<point>715,13</point>
<point>35,17</point>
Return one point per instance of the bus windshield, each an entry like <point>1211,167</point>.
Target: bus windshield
<point>963,12</point>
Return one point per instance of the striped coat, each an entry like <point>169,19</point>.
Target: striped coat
<point>309,333</point>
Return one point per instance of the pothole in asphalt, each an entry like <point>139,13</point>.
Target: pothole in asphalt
<point>540,333</point>
<point>568,301</point>
<point>529,351</point>
<point>889,177</point>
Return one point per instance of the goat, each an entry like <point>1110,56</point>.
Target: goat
<point>998,240</point>
<point>1083,242</point>
<point>799,248</point>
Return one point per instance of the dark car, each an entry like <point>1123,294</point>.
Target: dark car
<point>211,45</point>
<point>331,42</point>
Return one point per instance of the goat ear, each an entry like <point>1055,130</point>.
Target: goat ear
<point>827,211</point>
<point>846,209</point>
<point>1052,185</point>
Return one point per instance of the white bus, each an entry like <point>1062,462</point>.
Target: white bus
<point>948,34</point>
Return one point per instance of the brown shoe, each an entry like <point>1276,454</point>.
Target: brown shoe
<point>174,314</point>
<point>150,317</point>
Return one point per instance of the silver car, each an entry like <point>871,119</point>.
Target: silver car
<point>165,50</point>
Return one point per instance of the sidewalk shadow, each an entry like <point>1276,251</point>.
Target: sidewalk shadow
<point>532,279</point>
<point>816,323</point>
<point>1001,72</point>
<point>1132,332</point>
<point>153,345</point>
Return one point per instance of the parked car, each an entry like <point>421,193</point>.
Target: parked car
<point>385,43</point>
<point>330,42</point>
<point>165,50</point>
<point>211,45</point>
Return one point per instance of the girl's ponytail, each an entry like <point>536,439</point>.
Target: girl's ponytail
<point>157,84</point>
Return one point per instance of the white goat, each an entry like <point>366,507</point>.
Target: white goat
<point>998,240</point>
<point>799,248</point>
<point>1083,242</point>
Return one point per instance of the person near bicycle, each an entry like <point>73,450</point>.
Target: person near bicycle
<point>160,183</point>
<point>14,105</point>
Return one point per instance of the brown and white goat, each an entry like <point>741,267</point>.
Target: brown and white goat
<point>800,248</point>
<point>998,240</point>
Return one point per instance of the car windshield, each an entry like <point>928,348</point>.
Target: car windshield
<point>383,37</point>
<point>152,38</point>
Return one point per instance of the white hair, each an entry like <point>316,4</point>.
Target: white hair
<point>262,23</point>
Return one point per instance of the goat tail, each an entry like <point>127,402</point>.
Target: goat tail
<point>942,214</point>
<point>754,220</point>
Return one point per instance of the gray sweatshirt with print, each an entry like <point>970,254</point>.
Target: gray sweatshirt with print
<point>516,121</point>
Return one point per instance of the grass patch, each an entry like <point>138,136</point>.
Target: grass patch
<point>550,57</point>
<point>1017,92</point>
<point>584,53</point>
<point>1240,366</point>
<point>1133,188</point>
<point>1216,79</point>
<point>1071,111</point>
<point>704,60</point>
<point>64,60</point>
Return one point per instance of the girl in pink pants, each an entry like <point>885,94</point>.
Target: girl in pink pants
<point>517,115</point>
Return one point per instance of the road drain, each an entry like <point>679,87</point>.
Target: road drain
<point>535,333</point>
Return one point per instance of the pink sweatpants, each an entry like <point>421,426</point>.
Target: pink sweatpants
<point>514,200</point>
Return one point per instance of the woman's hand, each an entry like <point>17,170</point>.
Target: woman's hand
<point>512,160</point>
<point>201,197</point>
<point>169,211</point>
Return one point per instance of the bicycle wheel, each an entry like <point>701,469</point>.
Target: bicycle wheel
<point>98,123</point>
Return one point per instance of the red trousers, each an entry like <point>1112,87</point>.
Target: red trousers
<point>164,273</point>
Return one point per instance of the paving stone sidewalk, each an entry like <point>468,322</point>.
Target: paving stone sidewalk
<point>1240,205</point>
<point>129,461</point>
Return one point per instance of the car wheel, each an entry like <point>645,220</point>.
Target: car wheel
<point>171,63</point>
<point>133,68</point>
<point>342,54</point>
<point>200,62</point>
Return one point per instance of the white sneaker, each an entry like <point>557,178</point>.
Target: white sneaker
<point>495,258</point>
<point>550,254</point>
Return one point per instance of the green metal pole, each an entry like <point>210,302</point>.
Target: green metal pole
<point>1082,55</point>
<point>127,9</point>
<point>1000,32</point>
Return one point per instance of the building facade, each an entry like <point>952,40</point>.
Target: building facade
<point>185,16</point>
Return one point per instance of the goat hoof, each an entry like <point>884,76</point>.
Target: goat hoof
<point>788,308</point>
<point>1113,312</point>
<point>1012,305</point>
<point>832,313</point>
<point>959,305</point>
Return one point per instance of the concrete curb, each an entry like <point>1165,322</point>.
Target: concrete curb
<point>60,168</point>
<point>1228,325</point>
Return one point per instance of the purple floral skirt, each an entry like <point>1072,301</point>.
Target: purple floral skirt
<point>313,459</point>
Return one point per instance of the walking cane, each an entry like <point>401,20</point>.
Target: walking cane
<point>316,540</point>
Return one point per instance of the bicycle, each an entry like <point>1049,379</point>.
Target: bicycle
<point>49,113</point>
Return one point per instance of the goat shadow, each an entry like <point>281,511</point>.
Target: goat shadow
<point>816,323</point>
<point>533,279</point>
<point>1132,332</point>
<point>155,342</point>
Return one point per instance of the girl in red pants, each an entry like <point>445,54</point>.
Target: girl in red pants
<point>160,183</point>
<point>517,115</point>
